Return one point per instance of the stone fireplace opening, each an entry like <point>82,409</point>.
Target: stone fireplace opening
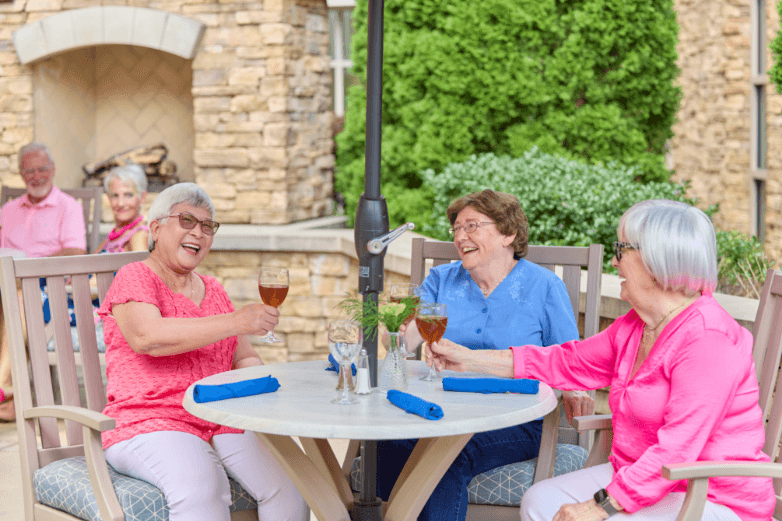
<point>93,102</point>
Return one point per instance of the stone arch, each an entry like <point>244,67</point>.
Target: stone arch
<point>105,25</point>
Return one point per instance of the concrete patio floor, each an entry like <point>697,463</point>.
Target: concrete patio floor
<point>10,472</point>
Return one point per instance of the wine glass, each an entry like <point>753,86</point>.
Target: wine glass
<point>398,292</point>
<point>345,343</point>
<point>432,320</point>
<point>273,286</point>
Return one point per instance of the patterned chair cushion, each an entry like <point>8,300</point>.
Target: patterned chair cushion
<point>505,485</point>
<point>65,485</point>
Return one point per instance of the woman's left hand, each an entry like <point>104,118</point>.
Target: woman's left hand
<point>577,403</point>
<point>586,511</point>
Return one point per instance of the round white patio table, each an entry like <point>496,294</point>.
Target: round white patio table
<point>302,407</point>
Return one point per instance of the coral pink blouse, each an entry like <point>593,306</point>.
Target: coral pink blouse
<point>145,392</point>
<point>694,398</point>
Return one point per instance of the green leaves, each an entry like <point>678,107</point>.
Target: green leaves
<point>391,315</point>
<point>591,80</point>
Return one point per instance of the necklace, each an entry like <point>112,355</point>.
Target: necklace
<point>490,289</point>
<point>649,330</point>
<point>190,276</point>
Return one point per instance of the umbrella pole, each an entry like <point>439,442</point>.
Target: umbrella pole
<point>371,222</point>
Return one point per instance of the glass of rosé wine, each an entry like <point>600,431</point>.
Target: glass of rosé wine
<point>273,286</point>
<point>432,320</point>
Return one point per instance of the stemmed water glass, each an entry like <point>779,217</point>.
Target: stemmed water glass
<point>345,337</point>
<point>432,320</point>
<point>397,293</point>
<point>273,286</point>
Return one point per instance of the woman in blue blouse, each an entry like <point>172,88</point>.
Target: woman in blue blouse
<point>495,300</point>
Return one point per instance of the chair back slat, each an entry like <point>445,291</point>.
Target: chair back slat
<point>571,276</point>
<point>39,359</point>
<point>85,327</point>
<point>766,354</point>
<point>66,363</point>
<point>34,453</point>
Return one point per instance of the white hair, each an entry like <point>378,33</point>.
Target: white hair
<point>31,148</point>
<point>677,244</point>
<point>179,193</point>
<point>130,174</point>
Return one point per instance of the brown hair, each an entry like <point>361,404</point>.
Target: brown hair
<point>504,209</point>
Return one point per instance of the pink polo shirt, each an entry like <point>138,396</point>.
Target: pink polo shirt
<point>694,398</point>
<point>43,229</point>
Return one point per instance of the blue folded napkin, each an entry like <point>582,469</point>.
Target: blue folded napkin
<point>212,393</point>
<point>491,385</point>
<point>335,365</point>
<point>415,405</point>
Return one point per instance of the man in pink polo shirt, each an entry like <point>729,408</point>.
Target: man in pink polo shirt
<point>45,222</point>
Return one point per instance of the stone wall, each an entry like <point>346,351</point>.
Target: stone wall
<point>711,147</point>
<point>261,102</point>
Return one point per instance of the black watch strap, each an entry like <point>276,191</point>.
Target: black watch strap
<point>604,502</point>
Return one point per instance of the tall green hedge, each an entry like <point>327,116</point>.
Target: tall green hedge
<point>586,79</point>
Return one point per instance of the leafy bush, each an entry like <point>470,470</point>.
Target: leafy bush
<point>742,264</point>
<point>591,80</point>
<point>567,203</point>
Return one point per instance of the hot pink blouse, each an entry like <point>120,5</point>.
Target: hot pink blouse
<point>695,398</point>
<point>145,392</point>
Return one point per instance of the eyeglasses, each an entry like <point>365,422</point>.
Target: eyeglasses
<point>27,172</point>
<point>468,227</point>
<point>188,222</point>
<point>620,247</point>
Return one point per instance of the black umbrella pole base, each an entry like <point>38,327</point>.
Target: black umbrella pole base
<point>367,510</point>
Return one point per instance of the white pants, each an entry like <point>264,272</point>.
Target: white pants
<point>193,474</point>
<point>542,501</point>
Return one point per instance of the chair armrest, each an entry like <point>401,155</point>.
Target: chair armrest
<point>92,419</point>
<point>707,469</point>
<point>593,422</point>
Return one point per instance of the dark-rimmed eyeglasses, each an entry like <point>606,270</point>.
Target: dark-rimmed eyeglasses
<point>468,227</point>
<point>189,221</point>
<point>620,247</point>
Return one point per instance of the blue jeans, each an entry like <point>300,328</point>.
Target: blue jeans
<point>485,451</point>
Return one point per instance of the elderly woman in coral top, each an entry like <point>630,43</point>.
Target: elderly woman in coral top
<point>166,327</point>
<point>683,384</point>
<point>127,189</point>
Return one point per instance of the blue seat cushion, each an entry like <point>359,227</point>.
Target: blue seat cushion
<point>65,485</point>
<point>505,485</point>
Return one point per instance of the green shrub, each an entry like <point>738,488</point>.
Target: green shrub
<point>742,264</point>
<point>567,203</point>
<point>591,80</point>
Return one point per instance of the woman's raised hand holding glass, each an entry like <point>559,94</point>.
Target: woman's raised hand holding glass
<point>345,338</point>
<point>273,286</point>
<point>432,319</point>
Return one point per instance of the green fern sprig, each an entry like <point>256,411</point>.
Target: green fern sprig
<point>392,315</point>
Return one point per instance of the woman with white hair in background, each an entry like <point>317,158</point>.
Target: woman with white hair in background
<point>167,327</point>
<point>683,384</point>
<point>126,187</point>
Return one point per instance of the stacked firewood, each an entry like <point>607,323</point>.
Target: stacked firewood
<point>161,172</point>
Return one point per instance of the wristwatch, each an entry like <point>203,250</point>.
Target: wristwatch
<point>604,501</point>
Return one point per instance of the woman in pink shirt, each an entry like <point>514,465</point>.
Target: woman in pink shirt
<point>683,384</point>
<point>166,327</point>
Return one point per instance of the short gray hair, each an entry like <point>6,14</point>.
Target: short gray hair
<point>179,193</point>
<point>677,244</point>
<point>32,148</point>
<point>130,174</point>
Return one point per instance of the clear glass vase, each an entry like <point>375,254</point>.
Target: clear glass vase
<point>393,374</point>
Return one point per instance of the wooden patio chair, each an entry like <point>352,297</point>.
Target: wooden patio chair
<point>64,472</point>
<point>91,200</point>
<point>766,353</point>
<point>496,495</point>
